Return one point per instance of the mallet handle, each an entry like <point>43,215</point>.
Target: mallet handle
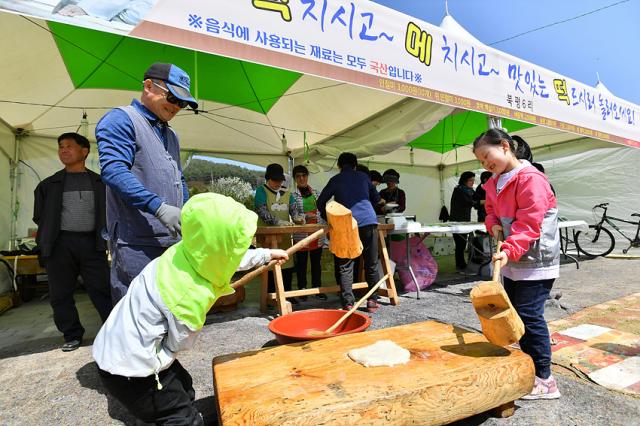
<point>497,265</point>
<point>290,251</point>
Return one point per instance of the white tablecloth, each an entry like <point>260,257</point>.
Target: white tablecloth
<point>439,228</point>
<point>466,227</point>
<point>580,224</point>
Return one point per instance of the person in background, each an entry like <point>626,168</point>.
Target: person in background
<point>354,190</point>
<point>69,210</point>
<point>523,150</point>
<point>306,201</point>
<point>376,178</point>
<point>461,204</point>
<point>163,312</point>
<point>392,194</point>
<point>522,208</point>
<point>362,168</point>
<point>356,262</point>
<point>140,164</point>
<point>480,195</point>
<point>524,153</point>
<point>276,206</point>
<point>540,168</point>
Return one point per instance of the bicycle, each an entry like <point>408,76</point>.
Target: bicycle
<point>598,240</point>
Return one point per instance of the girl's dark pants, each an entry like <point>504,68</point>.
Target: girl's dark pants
<point>528,298</point>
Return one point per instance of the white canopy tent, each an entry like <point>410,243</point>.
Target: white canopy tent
<point>54,73</point>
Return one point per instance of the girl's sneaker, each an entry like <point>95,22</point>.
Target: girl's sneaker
<point>544,389</point>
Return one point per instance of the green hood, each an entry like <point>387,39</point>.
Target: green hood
<point>194,273</point>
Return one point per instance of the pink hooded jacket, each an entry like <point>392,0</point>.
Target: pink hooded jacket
<point>527,210</point>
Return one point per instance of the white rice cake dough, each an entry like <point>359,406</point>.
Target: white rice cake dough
<point>381,353</point>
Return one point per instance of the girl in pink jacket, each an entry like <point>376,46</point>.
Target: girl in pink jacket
<point>521,206</point>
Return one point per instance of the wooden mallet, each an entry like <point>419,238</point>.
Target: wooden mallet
<point>501,324</point>
<point>344,242</point>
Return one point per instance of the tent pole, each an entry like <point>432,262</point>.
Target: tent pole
<point>290,165</point>
<point>195,74</point>
<point>14,193</point>
<point>441,178</point>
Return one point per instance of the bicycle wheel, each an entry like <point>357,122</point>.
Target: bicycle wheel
<point>596,241</point>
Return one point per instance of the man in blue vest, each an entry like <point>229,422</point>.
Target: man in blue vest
<point>140,164</point>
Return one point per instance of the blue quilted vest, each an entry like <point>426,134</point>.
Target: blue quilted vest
<point>157,169</point>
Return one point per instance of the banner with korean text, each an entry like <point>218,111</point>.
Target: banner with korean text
<point>361,42</point>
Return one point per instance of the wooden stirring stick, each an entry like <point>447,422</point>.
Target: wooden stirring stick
<point>350,311</point>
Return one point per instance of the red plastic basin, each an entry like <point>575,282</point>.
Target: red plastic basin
<point>295,327</point>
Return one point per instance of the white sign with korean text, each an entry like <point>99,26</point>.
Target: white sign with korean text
<point>407,55</point>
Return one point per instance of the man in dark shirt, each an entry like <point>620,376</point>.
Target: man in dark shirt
<point>69,208</point>
<point>392,194</point>
<point>480,195</point>
<point>354,190</point>
<point>462,202</point>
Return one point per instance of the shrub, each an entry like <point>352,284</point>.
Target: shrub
<point>233,187</point>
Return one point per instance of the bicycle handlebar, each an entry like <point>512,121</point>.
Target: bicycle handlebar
<point>601,206</point>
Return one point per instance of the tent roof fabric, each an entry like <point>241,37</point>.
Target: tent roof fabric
<point>246,108</point>
<point>223,80</point>
<point>460,129</point>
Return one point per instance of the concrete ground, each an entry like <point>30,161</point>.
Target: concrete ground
<point>43,386</point>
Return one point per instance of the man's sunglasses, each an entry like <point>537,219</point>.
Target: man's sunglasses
<point>170,97</point>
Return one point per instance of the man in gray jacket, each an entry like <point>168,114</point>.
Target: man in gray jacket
<point>70,213</point>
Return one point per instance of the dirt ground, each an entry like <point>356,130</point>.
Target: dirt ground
<point>43,386</point>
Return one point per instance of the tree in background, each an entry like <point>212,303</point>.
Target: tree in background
<point>235,188</point>
<point>234,181</point>
<point>206,171</point>
<point>196,187</point>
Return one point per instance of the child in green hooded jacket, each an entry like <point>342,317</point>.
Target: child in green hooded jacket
<point>166,306</point>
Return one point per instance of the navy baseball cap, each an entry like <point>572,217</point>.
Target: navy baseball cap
<point>176,79</point>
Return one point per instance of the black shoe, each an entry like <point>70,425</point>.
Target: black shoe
<point>303,298</point>
<point>372,306</point>
<point>293,301</point>
<point>71,345</point>
<point>321,296</point>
